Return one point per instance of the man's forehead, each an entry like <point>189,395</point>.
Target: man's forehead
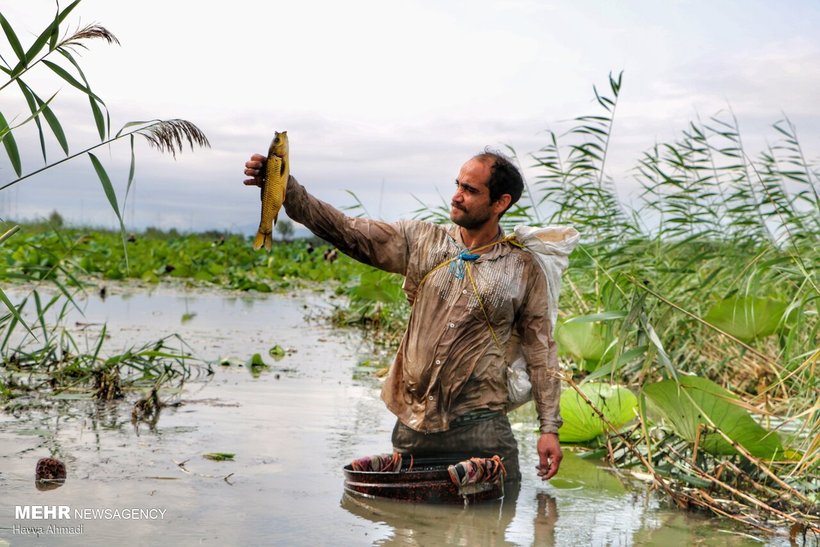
<point>475,172</point>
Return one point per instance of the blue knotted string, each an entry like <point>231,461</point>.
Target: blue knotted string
<point>457,264</point>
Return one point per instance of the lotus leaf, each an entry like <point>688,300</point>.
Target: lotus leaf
<point>582,423</point>
<point>747,318</point>
<point>586,342</point>
<point>698,403</point>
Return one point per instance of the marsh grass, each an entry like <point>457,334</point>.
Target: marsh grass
<point>719,259</point>
<point>55,362</point>
<point>54,51</point>
<point>39,356</point>
<point>71,257</point>
<point>711,271</point>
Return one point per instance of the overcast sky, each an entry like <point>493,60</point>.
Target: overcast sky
<point>387,99</point>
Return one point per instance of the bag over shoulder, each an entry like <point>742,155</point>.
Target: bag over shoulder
<point>551,246</point>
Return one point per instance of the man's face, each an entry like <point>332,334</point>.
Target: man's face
<point>470,206</point>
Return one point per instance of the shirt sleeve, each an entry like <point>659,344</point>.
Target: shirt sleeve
<point>541,353</point>
<point>376,243</point>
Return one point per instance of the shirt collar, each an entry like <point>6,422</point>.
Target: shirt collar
<point>496,251</point>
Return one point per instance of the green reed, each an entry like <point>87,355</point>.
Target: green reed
<point>37,355</point>
<point>710,270</point>
<point>56,360</point>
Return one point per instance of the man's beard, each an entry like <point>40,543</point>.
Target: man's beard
<point>469,221</point>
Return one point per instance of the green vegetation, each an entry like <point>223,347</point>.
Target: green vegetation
<point>688,322</point>
<point>50,360</point>
<point>50,253</point>
<point>701,297</point>
<point>219,456</point>
<point>694,307</point>
<point>710,271</point>
<point>76,259</point>
<point>45,358</point>
<point>617,404</point>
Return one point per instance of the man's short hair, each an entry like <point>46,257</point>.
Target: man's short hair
<point>504,176</point>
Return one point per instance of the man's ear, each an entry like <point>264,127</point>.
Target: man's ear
<point>500,205</point>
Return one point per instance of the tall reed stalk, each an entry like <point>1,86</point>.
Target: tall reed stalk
<point>711,271</point>
<point>53,52</point>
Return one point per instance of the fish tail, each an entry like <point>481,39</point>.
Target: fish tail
<point>262,239</point>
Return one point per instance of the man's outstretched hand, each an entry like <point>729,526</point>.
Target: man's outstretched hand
<point>253,169</point>
<point>549,455</point>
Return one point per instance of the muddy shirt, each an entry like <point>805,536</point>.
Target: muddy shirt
<point>448,363</point>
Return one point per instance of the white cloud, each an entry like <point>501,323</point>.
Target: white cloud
<point>387,99</point>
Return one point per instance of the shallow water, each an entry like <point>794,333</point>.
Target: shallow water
<point>292,429</point>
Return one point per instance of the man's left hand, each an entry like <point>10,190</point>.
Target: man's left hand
<point>550,456</point>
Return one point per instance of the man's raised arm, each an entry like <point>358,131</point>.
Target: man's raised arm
<point>380,244</point>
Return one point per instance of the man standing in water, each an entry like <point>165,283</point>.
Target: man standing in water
<point>475,296</point>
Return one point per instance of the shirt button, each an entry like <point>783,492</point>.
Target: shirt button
<point>438,361</point>
<point>452,325</point>
<point>464,291</point>
<point>431,397</point>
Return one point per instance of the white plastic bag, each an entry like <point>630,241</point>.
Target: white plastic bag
<point>551,246</point>
<point>519,388</point>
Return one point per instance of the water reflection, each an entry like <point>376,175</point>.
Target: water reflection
<point>292,435</point>
<point>546,515</point>
<point>429,524</point>
<point>486,524</point>
<point>146,411</point>
<point>588,505</point>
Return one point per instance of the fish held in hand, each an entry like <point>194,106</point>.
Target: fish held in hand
<point>274,185</point>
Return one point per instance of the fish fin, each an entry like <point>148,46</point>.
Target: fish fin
<point>268,241</point>
<point>260,239</point>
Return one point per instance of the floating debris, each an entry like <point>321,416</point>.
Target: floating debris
<point>219,456</point>
<point>49,474</point>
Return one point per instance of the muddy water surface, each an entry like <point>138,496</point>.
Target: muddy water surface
<point>291,428</point>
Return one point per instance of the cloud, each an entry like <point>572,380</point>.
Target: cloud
<point>387,100</point>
